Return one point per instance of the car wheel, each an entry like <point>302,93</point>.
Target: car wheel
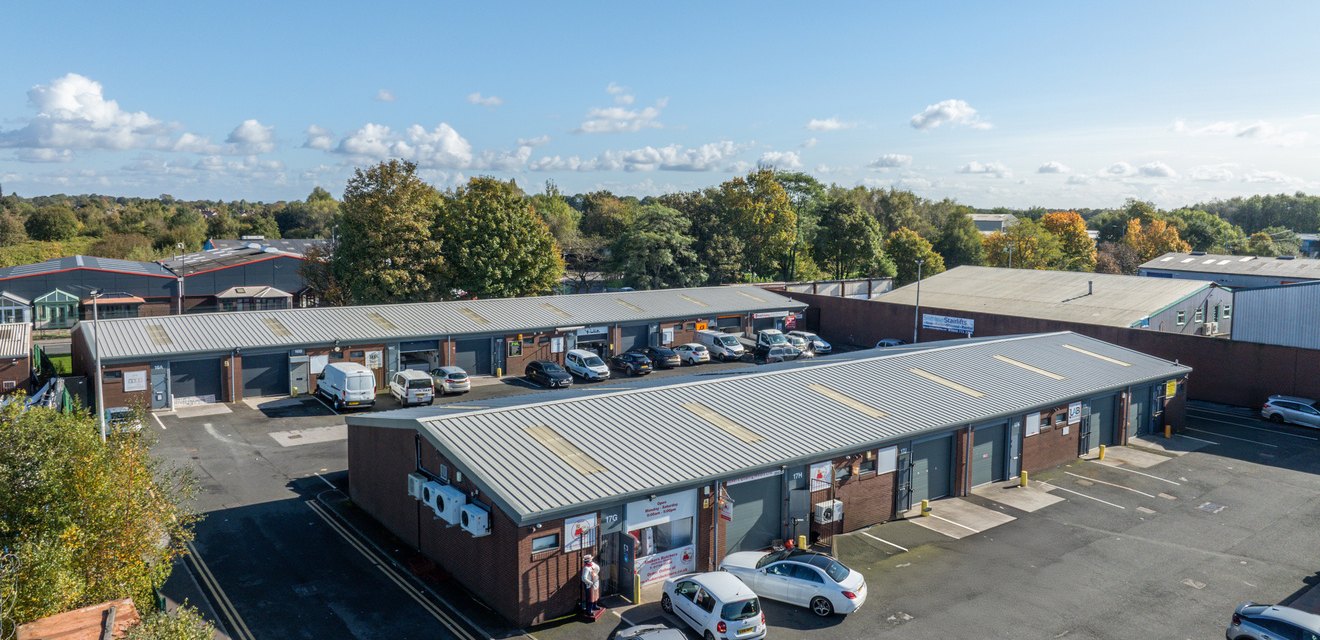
<point>1276,418</point>
<point>821,606</point>
<point>337,405</point>
<point>666,604</point>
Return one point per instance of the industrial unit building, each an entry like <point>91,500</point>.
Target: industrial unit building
<point>158,362</point>
<point>15,356</point>
<point>507,498</point>
<point>54,294</point>
<point>1170,306</point>
<point>251,277</point>
<point>299,246</point>
<point>1233,271</point>
<point>1283,315</point>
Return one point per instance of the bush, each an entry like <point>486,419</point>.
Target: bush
<point>184,623</point>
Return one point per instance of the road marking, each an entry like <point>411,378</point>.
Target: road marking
<point>1199,439</point>
<point>900,548</point>
<point>394,576</point>
<point>332,485</point>
<point>1078,493</point>
<point>1110,484</point>
<point>314,435</point>
<point>223,603</point>
<point>1243,426</point>
<point>1220,435</point>
<point>956,524</point>
<point>157,419</point>
<point>1222,413</point>
<point>1145,474</point>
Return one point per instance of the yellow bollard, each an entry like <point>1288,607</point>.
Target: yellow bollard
<point>925,508</point>
<point>1102,452</point>
<point>295,391</point>
<point>637,588</point>
<point>1168,431</point>
<point>499,372</point>
<point>1022,480</point>
<point>802,542</point>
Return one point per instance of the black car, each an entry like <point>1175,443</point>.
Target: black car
<point>633,363</point>
<point>779,353</point>
<point>548,374</point>
<point>661,357</point>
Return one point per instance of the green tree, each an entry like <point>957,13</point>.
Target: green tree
<point>806,193</point>
<point>905,247</point>
<point>495,245</point>
<point>52,223</point>
<point>89,521</point>
<point>318,271</point>
<point>1112,225</point>
<point>1076,248</point>
<point>259,224</point>
<point>848,242</point>
<point>386,252</point>
<point>312,218</point>
<point>221,225</point>
<point>606,215</point>
<point>1261,244</point>
<point>561,218</point>
<point>1205,231</point>
<point>758,211</point>
<point>1116,257</point>
<point>11,231</point>
<point>123,246</point>
<point>720,250</point>
<point>959,241</point>
<point>1286,243</point>
<point>1153,238</point>
<point>656,251</point>
<point>1026,244</point>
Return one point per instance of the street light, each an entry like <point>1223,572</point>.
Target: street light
<point>916,311</point>
<point>1009,249</point>
<point>96,355</point>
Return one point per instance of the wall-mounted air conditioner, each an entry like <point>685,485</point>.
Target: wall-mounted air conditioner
<point>476,520</point>
<point>829,511</point>
<point>430,492</point>
<point>415,482</point>
<point>450,503</point>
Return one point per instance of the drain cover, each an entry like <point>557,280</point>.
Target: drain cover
<point>1211,507</point>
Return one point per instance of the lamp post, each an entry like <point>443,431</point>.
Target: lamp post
<point>96,355</point>
<point>916,311</point>
<point>1009,249</point>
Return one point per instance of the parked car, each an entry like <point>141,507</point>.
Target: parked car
<point>1291,409</point>
<point>451,380</point>
<point>770,338</point>
<point>1253,621</point>
<point>661,357</point>
<point>715,604</point>
<point>724,346</point>
<point>889,342</point>
<point>783,353</point>
<point>650,632</point>
<point>692,353</point>
<point>803,347</point>
<point>586,365</point>
<point>346,384</point>
<point>122,419</point>
<point>412,387</point>
<point>632,363</point>
<point>548,374</point>
<point>804,578</point>
<point>817,343</point>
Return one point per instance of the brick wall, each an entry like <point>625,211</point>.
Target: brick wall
<point>113,393</point>
<point>1051,447</point>
<point>868,499</point>
<point>16,370</point>
<point>538,349</point>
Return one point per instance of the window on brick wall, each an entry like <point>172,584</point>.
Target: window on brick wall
<point>867,466</point>
<point>545,543</point>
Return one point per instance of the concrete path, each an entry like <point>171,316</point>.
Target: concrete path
<point>958,518</point>
<point>1131,457</point>
<point>1029,498</point>
<point>1178,445</point>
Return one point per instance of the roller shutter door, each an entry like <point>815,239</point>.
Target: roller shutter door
<point>729,322</point>
<point>634,337</point>
<point>1104,422</point>
<point>265,374</point>
<point>988,454</point>
<point>756,514</point>
<point>473,356</point>
<point>932,468</point>
<point>196,379</point>
<point>761,324</point>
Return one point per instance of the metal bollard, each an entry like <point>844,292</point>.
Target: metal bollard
<point>499,372</point>
<point>1022,480</point>
<point>925,508</point>
<point>637,588</point>
<point>1102,452</point>
<point>802,541</point>
<point>1168,431</point>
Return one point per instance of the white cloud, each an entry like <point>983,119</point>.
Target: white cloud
<point>675,157</point>
<point>781,160</point>
<point>618,119</point>
<point>43,155</point>
<point>1212,173</point>
<point>1274,177</point>
<point>73,113</point>
<point>533,142</point>
<point>1157,170</point>
<point>996,169</point>
<point>485,101</point>
<point>1054,167</point>
<point>952,112</point>
<point>191,143</point>
<point>1080,179</point>
<point>441,147</point>
<point>319,138</point>
<point>252,137</point>
<point>808,143</point>
<point>1120,169</point>
<point>1259,130</point>
<point>620,93</point>
<point>385,95</point>
<point>890,161</point>
<point>828,124</point>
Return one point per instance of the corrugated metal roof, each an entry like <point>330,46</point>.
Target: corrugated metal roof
<point>296,245</point>
<point>15,340</point>
<point>1282,315</point>
<point>221,332</point>
<point>1301,268</point>
<point>84,262</point>
<point>1117,301</point>
<point>191,263</point>
<point>650,439</point>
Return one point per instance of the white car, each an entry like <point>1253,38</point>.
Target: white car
<point>451,380</point>
<point>715,605</point>
<point>804,578</point>
<point>586,365</point>
<point>692,353</point>
<point>411,387</point>
<point>817,344</point>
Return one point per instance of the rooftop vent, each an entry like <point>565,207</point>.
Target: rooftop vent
<point>571,454</point>
<point>1287,257</point>
<point>1197,253</point>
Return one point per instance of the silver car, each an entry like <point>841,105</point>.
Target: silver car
<point>1281,409</point>
<point>1271,622</point>
<point>804,578</point>
<point>451,380</point>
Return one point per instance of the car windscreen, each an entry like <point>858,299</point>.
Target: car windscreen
<point>594,361</point>
<point>729,341</point>
<point>833,568</point>
<point>551,367</point>
<point>776,338</point>
<point>361,383</point>
<point>419,384</point>
<point>741,610</point>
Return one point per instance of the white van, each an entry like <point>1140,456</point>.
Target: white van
<point>412,387</point>
<point>724,346</point>
<point>346,384</point>
<point>586,365</point>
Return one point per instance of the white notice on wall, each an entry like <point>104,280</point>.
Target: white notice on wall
<point>557,345</point>
<point>1033,424</point>
<point>822,475</point>
<point>374,359</point>
<point>135,381</point>
<point>580,532</point>
<point>1074,413</point>
<point>886,460</point>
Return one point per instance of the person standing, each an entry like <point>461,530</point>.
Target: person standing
<point>590,584</point>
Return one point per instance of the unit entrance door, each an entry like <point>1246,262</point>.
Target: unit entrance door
<point>1104,423</point>
<point>989,453</point>
<point>196,380</point>
<point>265,374</point>
<point>160,385</point>
<point>1137,411</point>
<point>757,521</point>
<point>932,468</point>
<point>473,356</point>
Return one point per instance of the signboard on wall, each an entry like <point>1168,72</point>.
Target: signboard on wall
<point>701,326</point>
<point>726,506</point>
<point>669,563</point>
<point>948,323</point>
<point>1075,413</point>
<point>667,335</point>
<point>137,381</point>
<point>593,332</point>
<point>557,344</point>
<point>580,532</point>
<point>822,475</point>
<point>769,314</point>
<point>790,321</point>
<point>375,359</point>
<point>1033,424</point>
<point>674,506</point>
<point>1170,388</point>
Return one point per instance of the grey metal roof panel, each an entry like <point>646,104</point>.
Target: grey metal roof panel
<point>221,332</point>
<point>667,445</point>
<point>85,262</point>
<point>15,340</point>
<point>1280,315</point>
<point>191,263</point>
<point>1114,300</point>
<point>1237,265</point>
<point>293,245</point>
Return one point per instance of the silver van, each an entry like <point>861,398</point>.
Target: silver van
<point>723,346</point>
<point>412,387</point>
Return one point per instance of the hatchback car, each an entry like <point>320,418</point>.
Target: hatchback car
<point>548,374</point>
<point>633,363</point>
<point>451,380</point>
<point>803,347</point>
<point>123,419</point>
<point>692,353</point>
<point>1253,621</point>
<point>767,355</point>
<point>586,365</point>
<point>889,342</point>
<point>715,605</point>
<point>1281,409</point>
<point>816,343</point>
<point>661,357</point>
<point>804,578</point>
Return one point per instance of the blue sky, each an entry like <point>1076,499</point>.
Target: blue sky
<point>1015,104</point>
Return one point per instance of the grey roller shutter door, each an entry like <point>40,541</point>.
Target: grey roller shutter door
<point>473,356</point>
<point>265,374</point>
<point>196,378</point>
<point>756,514</point>
<point>1104,422</point>
<point>634,337</point>
<point>932,468</point>
<point>988,454</point>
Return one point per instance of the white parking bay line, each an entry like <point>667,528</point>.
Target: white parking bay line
<point>1199,439</point>
<point>956,524</point>
<point>1112,466</point>
<point>1220,435</point>
<point>1243,426</point>
<point>1109,483</point>
<point>900,548</point>
<point>1078,493</point>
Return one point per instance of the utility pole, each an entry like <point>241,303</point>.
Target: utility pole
<point>96,353</point>
<point>916,310</point>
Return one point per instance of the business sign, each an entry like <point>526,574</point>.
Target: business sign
<point>374,359</point>
<point>648,513</point>
<point>1074,413</point>
<point>756,476</point>
<point>790,322</point>
<point>557,344</point>
<point>726,506</point>
<point>1170,388</point>
<point>769,314</point>
<point>674,562</point>
<point>580,532</point>
<point>593,331</point>
<point>667,335</point>
<point>948,323</point>
<point>822,475</point>
<point>137,381</point>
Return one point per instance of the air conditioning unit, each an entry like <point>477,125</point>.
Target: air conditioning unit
<point>1214,328</point>
<point>415,483</point>
<point>449,504</point>
<point>829,511</point>
<point>430,492</point>
<point>1207,329</point>
<point>476,520</point>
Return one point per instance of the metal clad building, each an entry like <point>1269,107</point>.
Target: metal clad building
<point>56,293</point>
<point>1282,315</point>
<point>1233,271</point>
